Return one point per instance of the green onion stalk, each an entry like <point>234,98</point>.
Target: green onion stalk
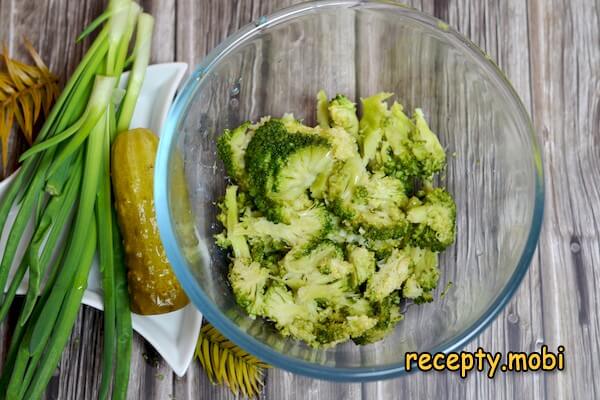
<point>64,187</point>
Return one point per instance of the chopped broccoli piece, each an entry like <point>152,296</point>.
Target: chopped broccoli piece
<point>231,148</point>
<point>390,276</point>
<point>387,313</point>
<point>305,227</point>
<point>412,289</point>
<point>360,324</point>
<point>300,268</point>
<point>425,268</point>
<point>372,203</point>
<point>229,217</point>
<point>292,125</point>
<point>363,262</point>
<point>375,113</point>
<point>282,166</point>
<point>343,145</point>
<point>433,222</point>
<point>248,283</point>
<point>322,111</point>
<point>279,306</point>
<point>343,114</point>
<point>426,146</point>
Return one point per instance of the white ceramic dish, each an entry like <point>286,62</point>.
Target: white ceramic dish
<point>173,335</point>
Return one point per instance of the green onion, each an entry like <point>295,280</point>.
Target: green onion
<point>67,169</point>
<point>106,257</point>
<point>143,43</point>
<point>66,321</point>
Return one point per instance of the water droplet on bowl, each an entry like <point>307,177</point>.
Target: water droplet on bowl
<point>513,318</point>
<point>575,247</point>
<point>261,21</point>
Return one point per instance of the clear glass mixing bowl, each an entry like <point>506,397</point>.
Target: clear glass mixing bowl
<point>277,65</point>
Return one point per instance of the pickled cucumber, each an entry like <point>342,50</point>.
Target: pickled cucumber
<point>153,287</point>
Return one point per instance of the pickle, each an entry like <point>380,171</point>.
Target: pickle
<point>153,287</point>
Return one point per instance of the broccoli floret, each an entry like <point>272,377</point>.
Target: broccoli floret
<point>412,289</point>
<point>336,294</point>
<point>371,203</point>
<point>322,111</point>
<point>383,247</point>
<point>363,262</point>
<point>425,268</point>
<point>337,326</point>
<point>424,275</point>
<point>343,181</point>
<point>390,276</point>
<point>359,325</point>
<point>343,145</point>
<point>375,113</point>
<point>426,147</point>
<point>293,125</point>
<point>300,268</point>
<point>408,149</point>
<point>282,166</point>
<point>343,114</point>
<point>248,282</point>
<point>433,222</point>
<point>305,227</point>
<point>231,148</point>
<point>229,217</point>
<point>395,155</point>
<point>387,313</point>
<point>279,306</point>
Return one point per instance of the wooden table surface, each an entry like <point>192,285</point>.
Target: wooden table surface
<point>550,49</point>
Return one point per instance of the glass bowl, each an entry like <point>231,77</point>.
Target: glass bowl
<point>358,48</point>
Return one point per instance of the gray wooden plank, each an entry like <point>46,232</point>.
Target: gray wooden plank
<point>163,41</point>
<point>565,54</point>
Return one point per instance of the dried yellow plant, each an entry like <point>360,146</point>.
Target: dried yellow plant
<point>26,92</point>
<point>226,363</point>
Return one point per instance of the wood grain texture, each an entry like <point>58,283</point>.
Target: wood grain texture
<point>549,49</point>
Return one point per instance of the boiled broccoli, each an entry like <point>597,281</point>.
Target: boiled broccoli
<point>371,203</point>
<point>433,222</point>
<point>281,167</point>
<point>322,111</point>
<point>343,145</point>
<point>343,114</point>
<point>229,217</point>
<point>387,314</point>
<point>304,227</point>
<point>426,147</point>
<point>293,125</point>
<point>375,113</point>
<point>390,276</point>
<point>280,307</point>
<point>299,268</point>
<point>363,263</point>
<point>248,282</point>
<point>331,228</point>
<point>404,148</point>
<point>231,148</point>
<point>424,275</point>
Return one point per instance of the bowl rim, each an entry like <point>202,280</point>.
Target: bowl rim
<point>230,329</point>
